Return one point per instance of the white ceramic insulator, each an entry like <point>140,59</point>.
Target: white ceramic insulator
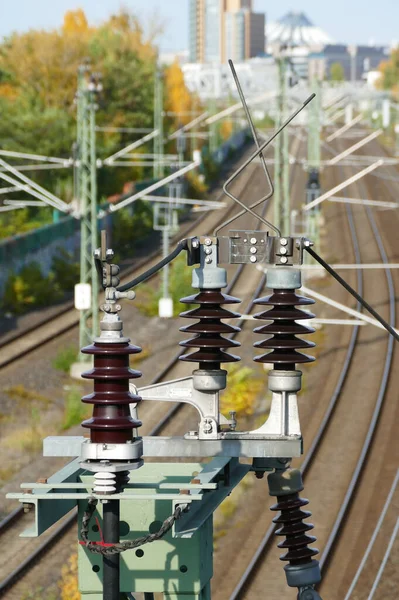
<point>104,483</point>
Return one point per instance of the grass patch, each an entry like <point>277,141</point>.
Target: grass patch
<point>179,286</point>
<point>68,583</point>
<point>22,395</point>
<point>6,473</point>
<point>65,359</point>
<point>28,438</point>
<point>75,411</point>
<point>137,358</point>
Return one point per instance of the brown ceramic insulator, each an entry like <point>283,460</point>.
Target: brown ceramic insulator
<point>294,529</point>
<point>209,329</point>
<point>111,421</point>
<point>284,329</point>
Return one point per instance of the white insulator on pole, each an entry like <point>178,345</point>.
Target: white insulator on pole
<point>104,483</point>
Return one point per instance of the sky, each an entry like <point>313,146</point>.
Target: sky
<point>353,21</point>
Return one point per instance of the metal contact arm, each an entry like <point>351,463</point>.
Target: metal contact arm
<point>249,160</point>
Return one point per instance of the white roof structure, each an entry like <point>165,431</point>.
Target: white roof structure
<point>295,29</point>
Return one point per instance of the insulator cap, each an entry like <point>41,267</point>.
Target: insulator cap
<point>284,328</point>
<point>209,328</point>
<point>111,421</point>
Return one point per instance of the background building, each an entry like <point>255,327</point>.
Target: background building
<point>223,29</point>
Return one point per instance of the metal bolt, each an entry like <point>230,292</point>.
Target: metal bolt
<point>308,243</point>
<point>253,250</point>
<point>283,259</point>
<point>253,240</point>
<point>208,260</point>
<point>208,242</point>
<point>208,250</point>
<point>283,250</point>
<point>109,253</point>
<point>252,259</point>
<point>208,426</point>
<point>245,240</point>
<point>283,241</point>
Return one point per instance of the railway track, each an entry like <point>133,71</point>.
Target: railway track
<point>255,568</point>
<point>150,413</point>
<point>377,462</point>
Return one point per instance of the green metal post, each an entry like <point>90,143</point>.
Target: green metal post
<point>158,124</point>
<point>93,213</point>
<point>313,216</point>
<point>278,150</point>
<point>87,197</point>
<point>286,163</point>
<point>213,132</point>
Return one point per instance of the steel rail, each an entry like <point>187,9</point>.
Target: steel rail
<point>312,453</point>
<point>337,531</point>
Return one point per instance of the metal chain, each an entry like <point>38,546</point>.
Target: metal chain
<point>117,548</point>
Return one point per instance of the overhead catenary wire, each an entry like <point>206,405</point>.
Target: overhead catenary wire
<point>51,199</point>
<point>353,292</point>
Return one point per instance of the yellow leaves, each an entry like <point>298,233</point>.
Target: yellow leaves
<point>178,97</point>
<point>69,579</point>
<point>226,129</point>
<point>21,291</point>
<point>43,64</point>
<point>75,22</point>
<point>8,91</point>
<point>243,388</point>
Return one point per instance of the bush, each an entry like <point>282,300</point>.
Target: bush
<point>75,411</point>
<point>179,286</point>
<point>66,271</point>
<point>65,359</point>
<point>30,289</point>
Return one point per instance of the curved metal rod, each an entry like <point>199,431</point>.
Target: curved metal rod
<point>255,137</point>
<point>247,162</point>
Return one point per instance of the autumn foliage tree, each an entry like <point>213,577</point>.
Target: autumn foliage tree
<point>38,77</point>
<point>389,70</point>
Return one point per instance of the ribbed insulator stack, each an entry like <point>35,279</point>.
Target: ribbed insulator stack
<point>111,421</point>
<point>284,329</point>
<point>294,529</point>
<point>209,329</point>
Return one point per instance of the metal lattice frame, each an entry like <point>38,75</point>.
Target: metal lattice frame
<point>87,197</point>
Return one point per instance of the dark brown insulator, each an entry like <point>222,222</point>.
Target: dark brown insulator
<point>111,421</point>
<point>209,328</point>
<point>284,329</point>
<point>294,529</point>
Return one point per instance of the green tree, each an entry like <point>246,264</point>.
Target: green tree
<point>337,72</point>
<point>389,70</point>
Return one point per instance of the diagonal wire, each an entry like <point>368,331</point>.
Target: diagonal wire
<point>258,152</point>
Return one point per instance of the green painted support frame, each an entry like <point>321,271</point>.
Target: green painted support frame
<point>180,565</point>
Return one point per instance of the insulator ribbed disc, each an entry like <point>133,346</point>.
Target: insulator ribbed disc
<point>111,421</point>
<point>284,328</point>
<point>209,328</point>
<point>294,529</point>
